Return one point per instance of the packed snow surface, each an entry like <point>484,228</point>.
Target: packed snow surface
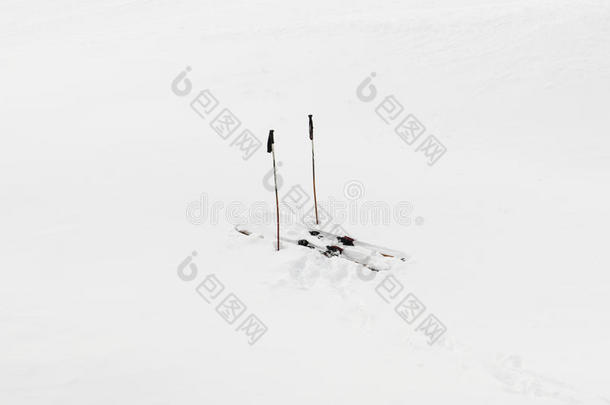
<point>123,172</point>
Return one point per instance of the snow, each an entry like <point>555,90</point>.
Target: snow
<point>103,168</point>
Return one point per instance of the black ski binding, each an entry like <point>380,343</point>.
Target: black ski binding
<point>305,242</point>
<point>333,251</point>
<point>346,240</point>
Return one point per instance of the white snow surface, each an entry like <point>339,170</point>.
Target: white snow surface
<point>100,159</point>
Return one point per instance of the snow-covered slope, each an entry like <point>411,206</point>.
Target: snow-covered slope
<point>106,167</point>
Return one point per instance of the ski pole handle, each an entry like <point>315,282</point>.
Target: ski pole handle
<point>310,127</point>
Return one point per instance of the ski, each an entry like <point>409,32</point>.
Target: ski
<point>345,240</point>
<point>324,249</point>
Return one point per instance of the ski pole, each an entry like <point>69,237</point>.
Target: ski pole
<point>271,149</point>
<point>313,168</point>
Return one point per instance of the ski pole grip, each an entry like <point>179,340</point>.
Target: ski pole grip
<point>310,127</point>
<point>270,141</point>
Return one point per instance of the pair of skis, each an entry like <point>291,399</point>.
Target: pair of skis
<point>373,257</point>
